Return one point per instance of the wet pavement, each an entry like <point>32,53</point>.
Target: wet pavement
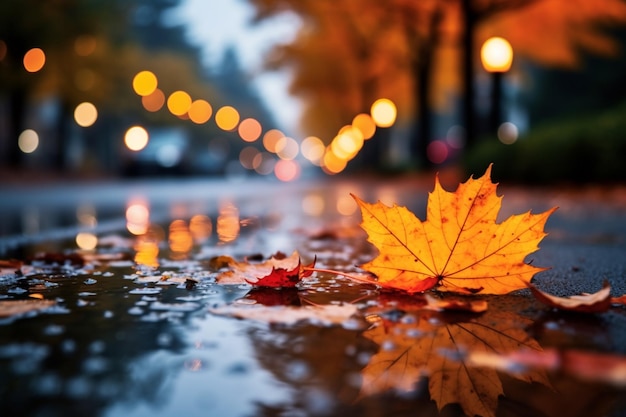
<point>135,330</point>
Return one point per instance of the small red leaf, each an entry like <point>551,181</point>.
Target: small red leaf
<point>279,277</point>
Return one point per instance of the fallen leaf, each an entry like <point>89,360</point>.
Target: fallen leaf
<point>597,302</point>
<point>10,308</point>
<point>278,271</point>
<point>324,315</point>
<point>436,349</point>
<point>459,247</point>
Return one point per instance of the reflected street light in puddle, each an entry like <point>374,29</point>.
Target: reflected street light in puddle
<point>496,56</point>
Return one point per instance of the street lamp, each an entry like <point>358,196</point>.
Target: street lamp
<point>496,56</point>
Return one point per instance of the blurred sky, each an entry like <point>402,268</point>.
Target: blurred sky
<point>216,24</point>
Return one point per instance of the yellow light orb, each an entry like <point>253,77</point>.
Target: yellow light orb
<point>271,138</point>
<point>144,83</point>
<point>384,112</point>
<point>179,103</point>
<point>227,118</point>
<point>85,114</point>
<point>136,138</point>
<point>496,55</point>
<point>86,241</point>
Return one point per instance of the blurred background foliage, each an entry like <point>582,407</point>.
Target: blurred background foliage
<point>565,91</point>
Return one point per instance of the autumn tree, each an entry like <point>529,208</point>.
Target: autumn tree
<point>347,52</point>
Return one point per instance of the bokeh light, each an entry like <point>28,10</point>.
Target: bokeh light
<point>365,124</point>
<point>180,239</point>
<point>144,83</point>
<point>263,163</point>
<point>137,217</point>
<point>247,155</point>
<point>153,102</point>
<point>228,226</point>
<point>249,129</point>
<point>34,60</point>
<point>85,45</point>
<point>312,148</point>
<point>200,111</point>
<point>271,138</point>
<point>332,164</point>
<point>313,205</point>
<point>178,103</point>
<point>346,205</point>
<point>201,228</point>
<point>28,141</point>
<point>508,133</point>
<point>85,114</point>
<point>287,170</point>
<point>384,112</point>
<point>227,118</point>
<point>287,148</point>
<point>86,241</point>
<point>136,138</point>
<point>437,151</point>
<point>496,54</point>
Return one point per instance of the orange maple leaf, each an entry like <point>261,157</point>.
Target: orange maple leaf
<point>459,247</point>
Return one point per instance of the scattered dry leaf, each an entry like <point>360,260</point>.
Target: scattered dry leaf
<point>597,302</point>
<point>10,308</point>
<point>459,247</point>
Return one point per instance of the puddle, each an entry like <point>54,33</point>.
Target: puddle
<point>140,327</point>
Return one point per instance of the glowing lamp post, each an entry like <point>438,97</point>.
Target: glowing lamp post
<point>496,56</point>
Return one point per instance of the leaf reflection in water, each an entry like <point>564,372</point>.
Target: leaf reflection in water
<point>434,346</point>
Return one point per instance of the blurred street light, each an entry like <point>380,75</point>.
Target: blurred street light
<point>496,56</point>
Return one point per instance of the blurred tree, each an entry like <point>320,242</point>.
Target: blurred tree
<point>93,50</point>
<point>348,53</point>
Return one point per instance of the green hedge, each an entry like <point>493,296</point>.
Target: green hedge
<point>576,150</point>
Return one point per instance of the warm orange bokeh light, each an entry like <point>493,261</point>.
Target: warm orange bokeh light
<point>227,118</point>
<point>228,226</point>
<point>178,103</point>
<point>201,228</point>
<point>496,55</point>
<point>153,102</point>
<point>85,114</point>
<point>86,241</point>
<point>180,239</point>
<point>200,111</point>
<point>144,83</point>
<point>332,164</point>
<point>34,60</point>
<point>271,138</point>
<point>28,141</point>
<point>249,129</point>
<point>384,112</point>
<point>365,124</point>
